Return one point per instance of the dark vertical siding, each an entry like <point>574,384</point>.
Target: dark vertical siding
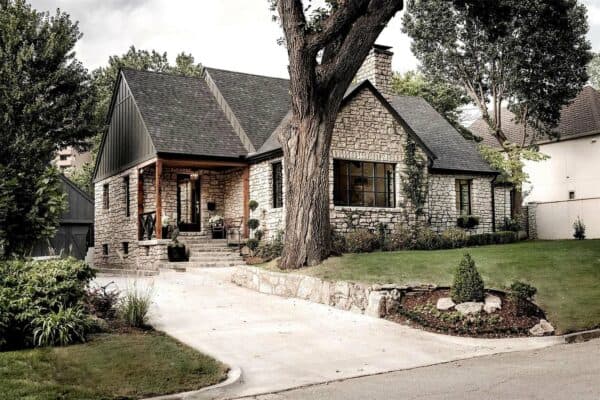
<point>127,140</point>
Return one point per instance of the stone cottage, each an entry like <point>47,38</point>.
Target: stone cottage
<point>185,149</point>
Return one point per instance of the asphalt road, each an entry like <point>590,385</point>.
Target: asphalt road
<point>565,372</point>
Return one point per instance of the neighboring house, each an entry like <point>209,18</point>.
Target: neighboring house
<point>188,148</point>
<point>75,232</point>
<point>71,158</point>
<point>567,184</point>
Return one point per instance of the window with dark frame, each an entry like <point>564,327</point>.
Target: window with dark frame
<point>463,196</point>
<point>364,184</point>
<point>105,196</point>
<point>127,195</point>
<point>125,248</point>
<point>277,185</point>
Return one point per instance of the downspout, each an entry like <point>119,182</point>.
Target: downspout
<point>494,203</point>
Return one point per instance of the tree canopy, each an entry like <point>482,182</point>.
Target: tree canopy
<point>46,103</point>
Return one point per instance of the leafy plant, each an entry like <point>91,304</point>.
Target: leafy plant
<point>467,221</point>
<point>579,228</point>
<point>253,223</point>
<point>102,302</point>
<point>253,205</point>
<point>484,239</point>
<point>258,234</point>
<point>426,239</point>
<point>361,241</point>
<point>252,244</point>
<point>454,238</point>
<point>510,225</point>
<point>60,328</point>
<point>468,284</point>
<point>414,181</point>
<point>134,306</point>
<point>338,243</point>
<point>523,294</point>
<point>400,239</point>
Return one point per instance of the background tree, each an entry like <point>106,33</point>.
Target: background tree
<point>45,104</point>
<point>104,80</point>
<point>594,71</point>
<point>445,98</point>
<point>502,54</point>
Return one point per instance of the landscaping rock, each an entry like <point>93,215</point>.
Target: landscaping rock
<point>492,303</point>
<point>445,304</point>
<point>376,305</point>
<point>544,328</point>
<point>470,307</point>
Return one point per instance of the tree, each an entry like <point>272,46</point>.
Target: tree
<point>326,46</point>
<point>104,80</point>
<point>593,70</point>
<point>502,52</point>
<point>444,97</point>
<point>46,103</point>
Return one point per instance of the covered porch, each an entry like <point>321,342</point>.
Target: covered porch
<point>188,193</point>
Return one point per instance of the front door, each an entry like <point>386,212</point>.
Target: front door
<point>188,203</point>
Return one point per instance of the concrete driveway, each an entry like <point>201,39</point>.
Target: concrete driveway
<point>283,343</point>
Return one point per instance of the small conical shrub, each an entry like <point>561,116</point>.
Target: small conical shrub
<point>468,285</point>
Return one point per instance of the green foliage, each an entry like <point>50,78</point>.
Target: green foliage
<point>134,306</point>
<point>61,328</point>
<point>271,250</point>
<point>102,302</point>
<point>258,234</point>
<point>400,239</point>
<point>426,239</point>
<point>510,224</point>
<point>444,97</point>
<point>252,244</point>
<point>47,104</point>
<point>32,295</point>
<point>484,239</point>
<point>579,228</point>
<point>453,238</point>
<point>523,293</point>
<point>593,70</point>
<point>414,181</point>
<point>467,221</point>
<point>253,205</point>
<point>361,241</point>
<point>253,223</point>
<point>467,284</point>
<point>510,161</point>
<point>338,242</point>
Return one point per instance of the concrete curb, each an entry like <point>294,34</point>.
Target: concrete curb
<point>234,376</point>
<point>584,336</point>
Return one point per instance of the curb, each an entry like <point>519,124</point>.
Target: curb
<point>584,336</point>
<point>234,375</point>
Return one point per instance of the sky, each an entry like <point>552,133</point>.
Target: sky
<point>237,35</point>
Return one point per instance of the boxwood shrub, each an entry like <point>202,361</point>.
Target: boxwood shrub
<point>361,241</point>
<point>483,239</point>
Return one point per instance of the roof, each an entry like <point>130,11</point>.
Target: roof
<point>258,102</point>
<point>182,116</point>
<point>581,117</point>
<point>452,150</point>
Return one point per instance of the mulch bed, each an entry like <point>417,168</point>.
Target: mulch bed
<point>418,309</point>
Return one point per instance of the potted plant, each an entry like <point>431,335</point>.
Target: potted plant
<point>167,227</point>
<point>175,249</point>
<point>216,226</point>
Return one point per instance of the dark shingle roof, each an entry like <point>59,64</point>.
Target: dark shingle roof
<point>258,102</point>
<point>578,118</point>
<point>182,116</point>
<point>452,150</point>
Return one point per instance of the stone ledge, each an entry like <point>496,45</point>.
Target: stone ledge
<point>154,242</point>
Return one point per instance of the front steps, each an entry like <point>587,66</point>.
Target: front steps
<point>205,252</point>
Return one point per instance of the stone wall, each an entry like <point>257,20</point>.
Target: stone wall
<point>502,203</point>
<point>261,191</point>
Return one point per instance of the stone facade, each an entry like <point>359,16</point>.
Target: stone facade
<point>261,190</point>
<point>377,69</point>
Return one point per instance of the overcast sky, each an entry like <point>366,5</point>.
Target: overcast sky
<point>237,35</point>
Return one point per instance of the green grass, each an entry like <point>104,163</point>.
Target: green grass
<point>111,366</point>
<point>566,273</point>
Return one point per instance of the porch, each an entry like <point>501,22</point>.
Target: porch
<point>188,193</point>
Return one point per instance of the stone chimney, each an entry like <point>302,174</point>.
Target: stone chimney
<point>377,68</point>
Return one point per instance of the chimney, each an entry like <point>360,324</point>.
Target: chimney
<point>377,68</point>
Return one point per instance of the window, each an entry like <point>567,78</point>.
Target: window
<point>277,185</point>
<point>463,196</point>
<point>105,249</point>
<point>125,248</point>
<point>571,195</point>
<point>64,157</point>
<point>127,195</point>
<point>364,184</point>
<point>105,196</point>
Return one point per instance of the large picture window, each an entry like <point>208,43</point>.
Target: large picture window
<point>364,184</point>
<point>463,196</point>
<point>277,185</point>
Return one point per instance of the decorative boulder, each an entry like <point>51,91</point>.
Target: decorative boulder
<point>492,303</point>
<point>470,307</point>
<point>544,328</point>
<point>445,304</point>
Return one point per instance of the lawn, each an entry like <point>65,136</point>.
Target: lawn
<point>111,366</point>
<point>566,273</point>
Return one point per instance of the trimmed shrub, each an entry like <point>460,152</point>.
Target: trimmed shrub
<point>426,239</point>
<point>272,250</point>
<point>253,205</point>
<point>338,243</point>
<point>510,225</point>
<point>361,241</point>
<point>401,239</point>
<point>467,221</point>
<point>579,228</point>
<point>253,223</point>
<point>485,239</point>
<point>258,234</point>
<point>134,307</point>
<point>454,238</point>
<point>468,284</point>
<point>252,244</point>
<point>523,294</point>
<point>62,327</point>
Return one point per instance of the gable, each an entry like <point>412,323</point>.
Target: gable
<point>126,142</point>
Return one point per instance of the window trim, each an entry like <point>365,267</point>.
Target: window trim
<point>277,185</point>
<point>460,183</point>
<point>389,183</point>
<point>127,187</point>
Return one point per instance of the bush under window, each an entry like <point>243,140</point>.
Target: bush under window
<point>361,241</point>
<point>467,221</point>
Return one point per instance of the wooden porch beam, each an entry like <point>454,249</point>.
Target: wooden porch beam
<point>157,184</point>
<point>201,163</point>
<point>246,201</point>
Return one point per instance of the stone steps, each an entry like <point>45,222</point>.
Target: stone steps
<point>203,257</point>
<point>126,272</point>
<point>183,266</point>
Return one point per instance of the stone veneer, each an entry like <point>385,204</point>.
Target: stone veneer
<point>261,190</point>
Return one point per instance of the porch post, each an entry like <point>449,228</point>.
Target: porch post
<point>140,202</point>
<point>158,175</point>
<point>246,190</point>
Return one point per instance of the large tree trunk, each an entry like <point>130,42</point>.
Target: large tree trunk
<point>306,164</point>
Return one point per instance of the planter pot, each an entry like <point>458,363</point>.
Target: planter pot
<point>165,232</point>
<point>177,253</point>
<point>218,234</point>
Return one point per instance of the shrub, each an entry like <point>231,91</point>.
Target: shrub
<point>272,250</point>
<point>468,284</point>
<point>32,290</point>
<point>454,238</point>
<point>134,306</point>
<point>579,228</point>
<point>382,232</point>
<point>510,225</point>
<point>401,239</point>
<point>258,234</point>
<point>523,294</point>
<point>60,328</point>
<point>485,239</point>
<point>253,205</point>
<point>338,243</point>
<point>102,302</point>
<point>426,239</point>
<point>253,223</point>
<point>252,244</point>
<point>467,221</point>
<point>361,241</point>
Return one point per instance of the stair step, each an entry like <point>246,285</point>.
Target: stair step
<point>183,266</point>
<point>197,258</point>
<point>211,250</point>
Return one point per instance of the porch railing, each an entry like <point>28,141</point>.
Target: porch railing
<point>148,224</point>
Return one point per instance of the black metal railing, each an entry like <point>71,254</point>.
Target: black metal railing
<point>148,224</point>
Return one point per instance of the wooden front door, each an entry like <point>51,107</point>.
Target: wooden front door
<point>188,203</point>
